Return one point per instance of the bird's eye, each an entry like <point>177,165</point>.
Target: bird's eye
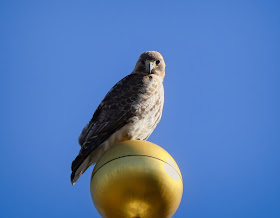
<point>143,62</point>
<point>157,62</point>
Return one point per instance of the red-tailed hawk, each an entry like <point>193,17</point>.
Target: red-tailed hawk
<point>130,111</point>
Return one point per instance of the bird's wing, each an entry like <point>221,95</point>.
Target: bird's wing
<point>112,114</point>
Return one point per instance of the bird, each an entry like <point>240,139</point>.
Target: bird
<point>131,110</point>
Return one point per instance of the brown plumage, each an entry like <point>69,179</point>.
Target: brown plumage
<point>130,111</point>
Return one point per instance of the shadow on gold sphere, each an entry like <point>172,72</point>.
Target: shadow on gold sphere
<point>136,179</point>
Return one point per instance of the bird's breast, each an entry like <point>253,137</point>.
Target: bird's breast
<point>148,109</point>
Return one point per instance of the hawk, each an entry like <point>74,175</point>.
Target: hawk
<point>130,111</point>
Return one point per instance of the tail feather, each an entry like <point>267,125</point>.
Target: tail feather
<point>78,170</point>
<point>80,164</point>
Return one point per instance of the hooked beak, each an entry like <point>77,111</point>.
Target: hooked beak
<point>150,66</point>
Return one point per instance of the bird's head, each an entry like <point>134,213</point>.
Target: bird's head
<point>150,62</point>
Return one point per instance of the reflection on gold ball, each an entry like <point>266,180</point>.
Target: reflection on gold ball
<point>136,179</point>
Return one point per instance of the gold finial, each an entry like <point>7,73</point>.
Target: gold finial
<point>136,179</point>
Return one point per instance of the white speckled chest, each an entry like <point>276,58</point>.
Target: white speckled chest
<point>149,110</point>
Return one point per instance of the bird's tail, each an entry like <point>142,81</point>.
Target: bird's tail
<point>80,164</point>
<point>80,168</point>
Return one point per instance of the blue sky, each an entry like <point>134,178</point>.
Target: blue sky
<point>221,119</point>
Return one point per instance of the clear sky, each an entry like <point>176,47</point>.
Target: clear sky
<point>221,119</point>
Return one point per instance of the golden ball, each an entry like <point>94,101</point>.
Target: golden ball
<point>136,179</point>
